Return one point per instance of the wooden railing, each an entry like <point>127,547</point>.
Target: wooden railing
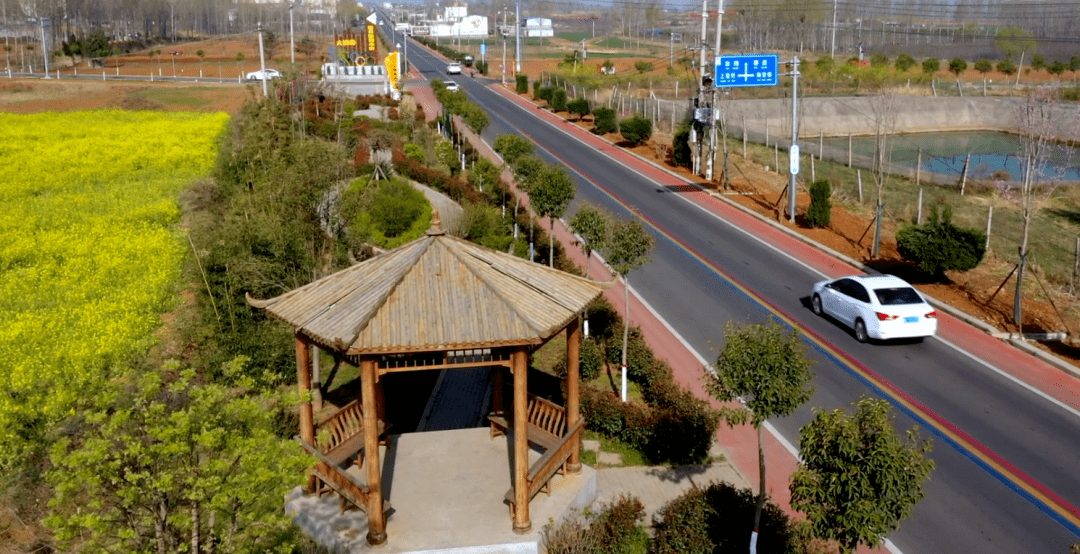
<point>342,425</point>
<point>547,428</point>
<point>349,488</point>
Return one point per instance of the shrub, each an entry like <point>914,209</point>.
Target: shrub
<point>824,63</point>
<point>939,245</point>
<point>1038,61</point>
<point>984,66</point>
<point>719,518</point>
<point>643,66</point>
<point>579,107</point>
<point>636,129</point>
<point>639,357</point>
<point>521,84</point>
<point>1006,66</point>
<point>904,62</point>
<point>604,121</point>
<point>879,60</point>
<point>681,153</point>
<point>545,94</point>
<point>558,100</point>
<point>616,528</point>
<point>820,211</point>
<point>536,85</point>
<point>591,359</point>
<point>931,66</point>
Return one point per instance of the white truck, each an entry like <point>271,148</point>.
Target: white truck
<point>403,27</point>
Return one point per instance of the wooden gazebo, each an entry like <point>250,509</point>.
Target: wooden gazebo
<point>438,302</point>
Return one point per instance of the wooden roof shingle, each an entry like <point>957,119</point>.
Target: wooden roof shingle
<point>436,293</point>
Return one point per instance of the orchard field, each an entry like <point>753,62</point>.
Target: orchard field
<point>90,252</point>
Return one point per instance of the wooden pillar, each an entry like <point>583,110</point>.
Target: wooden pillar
<point>375,515</point>
<point>303,382</point>
<point>498,405</point>
<point>573,394</point>
<point>520,363</point>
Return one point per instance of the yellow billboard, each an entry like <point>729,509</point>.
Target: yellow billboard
<point>391,63</point>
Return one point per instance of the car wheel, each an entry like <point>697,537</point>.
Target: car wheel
<point>860,331</point>
<point>815,305</point>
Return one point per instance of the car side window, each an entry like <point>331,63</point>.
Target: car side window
<point>843,286</point>
<point>859,292</point>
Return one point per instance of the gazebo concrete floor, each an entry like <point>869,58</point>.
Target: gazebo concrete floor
<point>446,489</point>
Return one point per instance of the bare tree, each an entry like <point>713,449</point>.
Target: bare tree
<point>883,105</point>
<point>1041,126</point>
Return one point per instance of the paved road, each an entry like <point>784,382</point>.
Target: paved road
<point>1003,451</point>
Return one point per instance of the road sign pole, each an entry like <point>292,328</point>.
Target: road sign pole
<point>794,137</point>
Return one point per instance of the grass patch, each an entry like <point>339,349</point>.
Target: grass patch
<point>631,457</point>
<point>189,97</point>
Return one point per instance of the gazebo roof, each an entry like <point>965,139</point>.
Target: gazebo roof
<point>436,293</point>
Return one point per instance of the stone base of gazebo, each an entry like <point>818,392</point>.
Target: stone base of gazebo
<point>446,489</point>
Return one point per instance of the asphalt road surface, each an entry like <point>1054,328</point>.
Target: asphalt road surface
<point>1013,494</point>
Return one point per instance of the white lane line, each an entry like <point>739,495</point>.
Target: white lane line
<point>1013,378</point>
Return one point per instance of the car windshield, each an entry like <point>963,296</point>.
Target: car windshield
<point>897,295</point>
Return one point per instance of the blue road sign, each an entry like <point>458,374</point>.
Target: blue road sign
<point>747,70</point>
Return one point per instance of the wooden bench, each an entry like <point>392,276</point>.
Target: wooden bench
<point>547,429</point>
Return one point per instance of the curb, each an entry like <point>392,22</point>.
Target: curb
<point>994,332</point>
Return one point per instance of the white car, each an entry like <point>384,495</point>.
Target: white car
<point>453,68</point>
<point>259,75</point>
<point>452,86</point>
<point>880,307</point>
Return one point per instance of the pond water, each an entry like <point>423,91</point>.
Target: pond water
<point>946,153</point>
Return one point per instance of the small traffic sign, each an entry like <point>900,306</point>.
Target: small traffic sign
<point>794,159</point>
<point>747,70</point>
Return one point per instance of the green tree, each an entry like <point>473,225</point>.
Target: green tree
<point>608,66</point>
<point>485,176</point>
<point>1012,41</point>
<point>592,224</point>
<point>767,368</point>
<point>984,66</point>
<point>1006,66</point>
<point>1057,68</point>
<point>549,194</point>
<point>526,169</point>
<point>957,66</point>
<point>579,107</point>
<point>819,213</point>
<point>858,478</point>
<point>636,129</point>
<point>627,250</point>
<point>604,121</point>
<point>643,66</point>
<point>160,462</point>
<point>904,62</point>
<point>939,245</point>
<point>931,66</point>
<point>512,147</point>
<point>1038,61</point>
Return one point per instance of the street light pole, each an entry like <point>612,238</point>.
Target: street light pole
<point>292,41</point>
<point>794,152</point>
<point>44,49</point>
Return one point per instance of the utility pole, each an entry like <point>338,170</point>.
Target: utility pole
<point>712,94</point>
<point>794,152</point>
<point>504,47</point>
<point>832,51</point>
<point>517,39</point>
<point>292,41</point>
<point>701,84</point>
<point>262,62</point>
<point>44,48</point>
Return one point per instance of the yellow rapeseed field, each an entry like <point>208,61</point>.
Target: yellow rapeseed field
<point>89,250</point>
